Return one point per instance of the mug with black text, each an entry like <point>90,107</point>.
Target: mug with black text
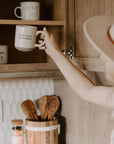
<point>25,38</point>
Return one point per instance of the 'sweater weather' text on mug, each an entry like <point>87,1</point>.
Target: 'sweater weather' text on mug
<point>29,10</point>
<point>25,38</point>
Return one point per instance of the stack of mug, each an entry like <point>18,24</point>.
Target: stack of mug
<point>25,35</point>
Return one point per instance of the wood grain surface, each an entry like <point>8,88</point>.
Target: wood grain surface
<point>49,137</point>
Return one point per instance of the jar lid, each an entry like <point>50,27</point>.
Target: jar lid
<point>17,122</point>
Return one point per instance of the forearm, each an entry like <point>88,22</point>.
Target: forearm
<point>76,79</point>
<point>102,95</point>
<point>82,85</point>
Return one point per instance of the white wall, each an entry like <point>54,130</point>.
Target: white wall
<point>12,93</point>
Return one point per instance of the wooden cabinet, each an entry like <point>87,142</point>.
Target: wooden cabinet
<point>36,63</point>
<point>85,57</point>
<point>63,18</point>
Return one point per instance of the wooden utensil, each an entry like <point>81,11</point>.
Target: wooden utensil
<point>42,104</point>
<point>29,109</point>
<point>52,106</point>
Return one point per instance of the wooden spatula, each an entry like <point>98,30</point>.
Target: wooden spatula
<point>52,106</point>
<point>42,104</point>
<point>29,109</point>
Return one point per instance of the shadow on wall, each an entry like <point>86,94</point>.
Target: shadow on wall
<point>62,122</point>
<point>62,136</point>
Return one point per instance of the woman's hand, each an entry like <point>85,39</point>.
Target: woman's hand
<point>50,45</point>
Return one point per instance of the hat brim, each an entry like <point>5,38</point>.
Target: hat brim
<point>96,29</point>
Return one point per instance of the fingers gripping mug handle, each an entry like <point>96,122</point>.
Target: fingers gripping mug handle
<point>15,12</point>
<point>37,33</point>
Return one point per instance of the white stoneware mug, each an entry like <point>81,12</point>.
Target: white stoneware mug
<point>3,54</point>
<point>25,38</point>
<point>30,10</point>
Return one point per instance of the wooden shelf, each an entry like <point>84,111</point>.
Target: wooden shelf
<point>48,70</point>
<point>28,67</point>
<point>40,74</point>
<point>28,22</point>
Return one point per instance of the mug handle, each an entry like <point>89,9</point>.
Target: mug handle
<point>15,12</point>
<point>38,45</point>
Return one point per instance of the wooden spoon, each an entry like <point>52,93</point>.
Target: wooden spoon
<point>29,109</point>
<point>52,106</point>
<point>42,104</point>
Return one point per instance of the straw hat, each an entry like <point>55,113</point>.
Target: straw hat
<point>99,31</point>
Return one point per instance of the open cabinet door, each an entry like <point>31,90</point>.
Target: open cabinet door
<point>71,21</point>
<point>84,56</point>
<point>70,27</point>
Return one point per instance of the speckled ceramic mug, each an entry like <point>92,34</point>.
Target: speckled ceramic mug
<point>30,10</point>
